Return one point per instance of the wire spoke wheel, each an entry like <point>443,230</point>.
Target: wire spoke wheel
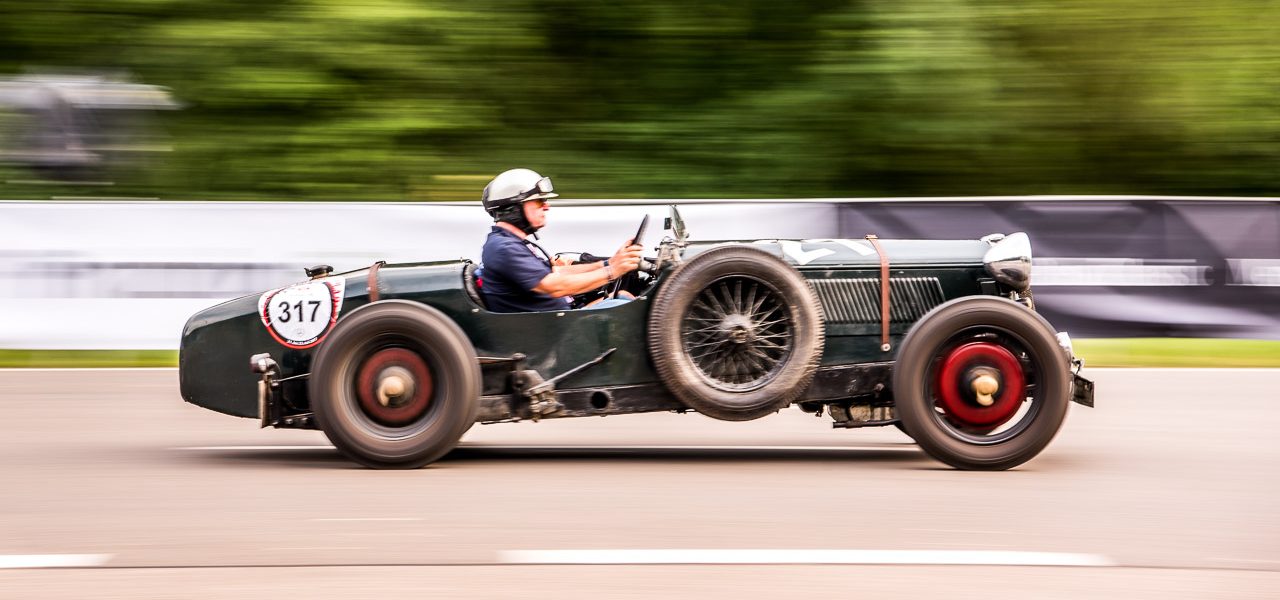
<point>738,333</point>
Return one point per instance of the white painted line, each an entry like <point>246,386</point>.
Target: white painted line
<point>371,519</point>
<point>808,557</point>
<point>52,561</point>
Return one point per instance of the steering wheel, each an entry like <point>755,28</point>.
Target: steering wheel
<point>617,283</point>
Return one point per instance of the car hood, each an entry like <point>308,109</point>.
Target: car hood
<point>860,251</point>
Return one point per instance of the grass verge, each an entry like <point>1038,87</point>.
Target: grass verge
<point>1119,352</point>
<point>88,358</point>
<point>1178,352</point>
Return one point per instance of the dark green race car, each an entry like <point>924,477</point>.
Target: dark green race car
<point>395,362</point>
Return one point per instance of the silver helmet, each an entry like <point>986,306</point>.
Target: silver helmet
<point>515,186</point>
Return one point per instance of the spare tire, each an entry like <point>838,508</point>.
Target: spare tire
<point>736,333</point>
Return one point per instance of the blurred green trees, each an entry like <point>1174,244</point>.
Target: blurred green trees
<point>418,100</point>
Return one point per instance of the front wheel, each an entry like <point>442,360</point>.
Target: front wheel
<point>395,385</point>
<point>981,383</point>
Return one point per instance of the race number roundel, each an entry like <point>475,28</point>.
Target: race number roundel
<point>299,316</point>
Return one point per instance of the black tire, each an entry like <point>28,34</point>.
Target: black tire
<point>407,337</point>
<point>736,333</point>
<point>939,361</point>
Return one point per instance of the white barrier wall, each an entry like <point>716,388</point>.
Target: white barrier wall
<point>127,275</point>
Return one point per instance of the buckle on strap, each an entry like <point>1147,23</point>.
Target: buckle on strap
<point>884,292</point>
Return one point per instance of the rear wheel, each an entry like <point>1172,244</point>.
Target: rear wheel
<point>981,383</point>
<point>395,385</point>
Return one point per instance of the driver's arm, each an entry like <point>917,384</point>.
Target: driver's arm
<point>560,284</point>
<point>577,279</point>
<point>582,268</point>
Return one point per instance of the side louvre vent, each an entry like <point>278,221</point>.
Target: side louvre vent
<point>858,300</point>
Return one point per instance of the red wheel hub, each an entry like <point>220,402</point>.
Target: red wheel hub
<point>962,366</point>
<point>394,386</point>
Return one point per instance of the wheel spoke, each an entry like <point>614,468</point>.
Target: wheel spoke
<point>704,306</point>
<point>748,307</point>
<point>731,369</point>
<point>704,329</point>
<point>769,344</point>
<point>724,363</point>
<point>711,299</point>
<point>759,325</point>
<point>761,354</point>
<point>764,297</point>
<point>744,368</point>
<point>709,317</point>
<point>757,367</point>
<point>703,363</point>
<point>709,344</point>
<point>765,315</point>
<point>728,298</point>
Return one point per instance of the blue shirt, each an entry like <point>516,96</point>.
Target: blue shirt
<point>510,269</point>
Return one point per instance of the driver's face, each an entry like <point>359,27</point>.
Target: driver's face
<point>536,212</point>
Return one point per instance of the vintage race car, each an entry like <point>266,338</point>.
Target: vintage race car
<point>396,362</point>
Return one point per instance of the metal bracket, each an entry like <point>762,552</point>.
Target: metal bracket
<point>269,413</point>
<point>267,387</point>
<point>540,392</point>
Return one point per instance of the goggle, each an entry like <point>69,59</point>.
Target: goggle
<point>542,187</point>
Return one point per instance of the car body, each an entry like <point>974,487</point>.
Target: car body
<point>395,362</point>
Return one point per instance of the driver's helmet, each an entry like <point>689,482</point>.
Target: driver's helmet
<point>515,186</point>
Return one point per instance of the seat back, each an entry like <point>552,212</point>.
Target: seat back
<point>473,284</point>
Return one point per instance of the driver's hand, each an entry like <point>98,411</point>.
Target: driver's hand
<point>626,259</point>
<point>561,261</point>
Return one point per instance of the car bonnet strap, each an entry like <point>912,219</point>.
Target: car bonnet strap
<point>374,293</point>
<point>884,292</point>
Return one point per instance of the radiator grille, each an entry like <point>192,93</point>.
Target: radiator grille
<point>858,300</point>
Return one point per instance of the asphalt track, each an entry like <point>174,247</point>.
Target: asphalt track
<point>120,490</point>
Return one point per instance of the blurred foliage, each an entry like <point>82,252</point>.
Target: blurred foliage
<point>418,100</point>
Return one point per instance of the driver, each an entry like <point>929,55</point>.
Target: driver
<point>518,275</point>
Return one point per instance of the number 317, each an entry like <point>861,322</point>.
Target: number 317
<point>287,310</point>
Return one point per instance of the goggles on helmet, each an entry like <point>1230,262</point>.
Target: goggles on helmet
<point>542,187</point>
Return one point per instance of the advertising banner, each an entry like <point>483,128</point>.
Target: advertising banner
<point>127,275</point>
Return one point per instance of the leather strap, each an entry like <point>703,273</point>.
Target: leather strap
<point>374,293</point>
<point>884,292</point>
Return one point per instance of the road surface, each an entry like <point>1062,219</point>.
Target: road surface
<point>118,489</point>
